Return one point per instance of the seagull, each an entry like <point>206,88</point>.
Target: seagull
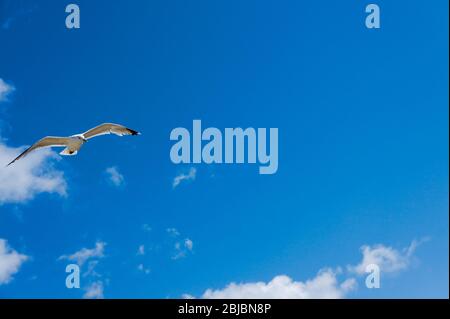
<point>73,143</point>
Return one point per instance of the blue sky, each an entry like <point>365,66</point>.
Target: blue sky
<point>363,148</point>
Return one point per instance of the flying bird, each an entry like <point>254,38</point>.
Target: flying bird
<point>73,143</point>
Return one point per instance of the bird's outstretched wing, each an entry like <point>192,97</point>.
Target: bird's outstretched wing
<point>109,128</point>
<point>48,141</point>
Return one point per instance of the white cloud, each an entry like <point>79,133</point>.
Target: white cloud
<point>324,286</point>
<point>388,259</point>
<point>189,244</point>
<point>141,250</point>
<point>114,176</point>
<point>5,90</point>
<point>173,232</point>
<point>91,265</point>
<point>81,256</point>
<point>94,291</point>
<point>31,175</point>
<point>181,251</point>
<point>142,268</point>
<point>10,262</point>
<point>181,247</point>
<point>411,249</point>
<point>91,256</point>
<point>184,177</point>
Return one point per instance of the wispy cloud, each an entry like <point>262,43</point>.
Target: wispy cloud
<point>189,244</point>
<point>91,266</point>
<point>141,250</point>
<point>16,10</point>
<point>388,259</point>
<point>5,90</point>
<point>90,256</point>
<point>84,254</point>
<point>190,176</point>
<point>114,176</point>
<point>30,176</point>
<point>181,249</point>
<point>10,262</point>
<point>173,232</point>
<point>142,268</point>
<point>94,291</point>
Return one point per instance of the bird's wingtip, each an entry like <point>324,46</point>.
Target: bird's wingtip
<point>133,132</point>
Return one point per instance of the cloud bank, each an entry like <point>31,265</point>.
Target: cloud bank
<point>326,284</point>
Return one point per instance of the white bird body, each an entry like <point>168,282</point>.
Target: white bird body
<point>73,143</point>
